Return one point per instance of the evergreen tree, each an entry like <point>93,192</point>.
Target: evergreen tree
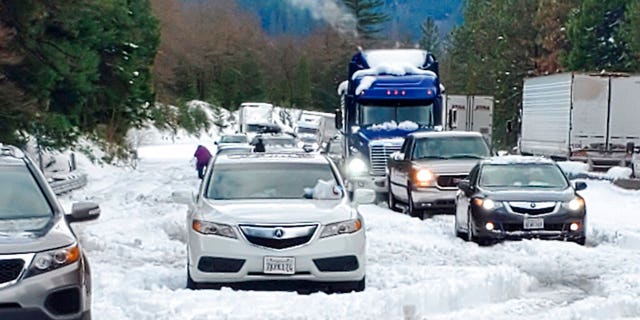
<point>631,33</point>
<point>431,39</point>
<point>369,17</point>
<point>595,37</point>
<point>550,22</point>
<point>301,85</point>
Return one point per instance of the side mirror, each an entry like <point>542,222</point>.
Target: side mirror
<point>216,143</point>
<point>397,156</point>
<point>338,119</point>
<point>579,185</point>
<point>465,186</point>
<point>364,196</point>
<point>182,197</point>
<point>83,211</point>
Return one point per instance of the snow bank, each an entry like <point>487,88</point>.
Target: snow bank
<point>576,169</point>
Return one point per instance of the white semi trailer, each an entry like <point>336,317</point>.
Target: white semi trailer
<point>469,113</point>
<point>584,117</point>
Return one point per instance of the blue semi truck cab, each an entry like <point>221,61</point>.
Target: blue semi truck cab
<point>388,95</point>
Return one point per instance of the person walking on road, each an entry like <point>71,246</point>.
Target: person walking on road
<point>203,156</point>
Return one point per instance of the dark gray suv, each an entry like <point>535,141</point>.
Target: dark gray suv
<point>43,271</point>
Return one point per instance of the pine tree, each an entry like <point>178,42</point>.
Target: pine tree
<point>595,37</point>
<point>630,32</point>
<point>369,17</point>
<point>431,39</point>
<point>550,21</point>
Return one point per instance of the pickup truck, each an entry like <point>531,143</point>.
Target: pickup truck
<point>424,174</point>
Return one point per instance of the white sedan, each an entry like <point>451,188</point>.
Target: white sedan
<point>275,221</point>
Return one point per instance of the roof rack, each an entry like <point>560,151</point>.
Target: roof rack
<point>10,151</point>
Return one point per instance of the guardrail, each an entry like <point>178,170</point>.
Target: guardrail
<point>73,182</point>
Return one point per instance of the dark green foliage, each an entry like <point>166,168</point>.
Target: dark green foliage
<point>369,17</point>
<point>595,36</point>
<point>86,64</point>
<point>431,39</point>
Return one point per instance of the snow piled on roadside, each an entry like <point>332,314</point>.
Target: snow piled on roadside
<point>581,170</point>
<point>137,251</point>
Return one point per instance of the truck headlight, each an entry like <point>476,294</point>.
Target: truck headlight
<point>424,177</point>
<point>53,259</point>
<point>357,166</point>
<point>343,227</point>
<point>218,229</point>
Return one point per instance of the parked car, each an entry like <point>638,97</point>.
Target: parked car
<point>424,174</point>
<point>234,149</point>
<point>43,271</point>
<point>280,142</point>
<point>275,221</point>
<point>232,139</point>
<point>518,197</point>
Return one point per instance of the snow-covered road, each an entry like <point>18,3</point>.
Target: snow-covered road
<point>137,253</point>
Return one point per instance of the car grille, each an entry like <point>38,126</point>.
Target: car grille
<point>290,236</point>
<point>378,155</point>
<point>450,181</point>
<point>538,208</point>
<point>10,269</point>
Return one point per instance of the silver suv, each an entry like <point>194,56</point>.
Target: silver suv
<point>43,271</point>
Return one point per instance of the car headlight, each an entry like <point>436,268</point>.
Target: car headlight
<point>53,259</point>
<point>357,166</point>
<point>218,229</point>
<point>577,204</point>
<point>343,227</point>
<point>487,204</point>
<point>300,144</point>
<point>424,177</point>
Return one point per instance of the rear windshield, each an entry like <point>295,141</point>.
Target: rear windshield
<point>522,176</point>
<point>267,180</point>
<point>233,139</point>
<point>21,198</point>
<point>450,148</point>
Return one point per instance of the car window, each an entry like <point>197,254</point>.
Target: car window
<point>522,176</point>
<point>21,197</point>
<point>450,147</point>
<point>267,180</point>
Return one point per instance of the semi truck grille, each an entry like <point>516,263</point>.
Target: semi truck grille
<point>10,269</point>
<point>378,157</point>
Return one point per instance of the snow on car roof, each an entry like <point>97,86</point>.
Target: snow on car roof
<point>438,134</point>
<point>516,159</point>
<point>272,157</point>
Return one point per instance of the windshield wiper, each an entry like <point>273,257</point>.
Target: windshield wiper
<point>431,157</point>
<point>462,156</point>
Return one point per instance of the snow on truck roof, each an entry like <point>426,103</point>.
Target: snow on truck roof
<point>411,57</point>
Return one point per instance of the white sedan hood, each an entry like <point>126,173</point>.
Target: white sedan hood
<point>275,211</point>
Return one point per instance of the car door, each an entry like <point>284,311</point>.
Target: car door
<point>463,201</point>
<point>397,171</point>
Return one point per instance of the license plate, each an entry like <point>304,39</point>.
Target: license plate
<point>279,265</point>
<point>534,223</point>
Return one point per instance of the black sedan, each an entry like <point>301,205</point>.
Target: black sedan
<point>519,197</point>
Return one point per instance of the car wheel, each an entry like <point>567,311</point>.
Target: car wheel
<point>460,234</point>
<point>391,198</point>
<point>581,241</point>
<point>470,234</point>
<point>411,210</point>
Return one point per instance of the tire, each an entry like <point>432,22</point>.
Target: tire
<point>411,210</point>
<point>391,199</point>
<point>355,286</point>
<point>470,235</point>
<point>460,234</point>
<point>581,241</point>
<point>86,315</point>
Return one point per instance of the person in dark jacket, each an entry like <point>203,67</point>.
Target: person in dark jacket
<point>259,145</point>
<point>203,156</point>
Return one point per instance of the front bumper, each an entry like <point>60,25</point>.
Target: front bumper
<point>434,199</point>
<point>249,264</point>
<point>57,295</point>
<point>510,226</point>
